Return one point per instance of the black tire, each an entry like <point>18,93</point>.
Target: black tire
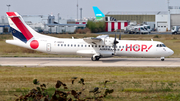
<point>97,58</point>
<point>92,59</point>
<point>162,59</point>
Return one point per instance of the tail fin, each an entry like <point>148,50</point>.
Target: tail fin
<point>99,15</point>
<point>20,30</point>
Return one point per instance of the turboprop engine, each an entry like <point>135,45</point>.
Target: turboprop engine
<point>108,41</point>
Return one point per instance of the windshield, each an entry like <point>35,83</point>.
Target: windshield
<point>148,27</point>
<point>142,28</point>
<point>161,45</point>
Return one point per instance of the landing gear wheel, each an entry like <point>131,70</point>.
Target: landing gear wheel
<point>162,58</point>
<point>97,58</point>
<point>92,58</point>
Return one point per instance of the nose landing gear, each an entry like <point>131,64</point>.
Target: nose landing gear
<point>96,58</point>
<point>162,58</point>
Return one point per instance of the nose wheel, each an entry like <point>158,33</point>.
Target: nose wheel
<point>95,58</point>
<point>162,58</point>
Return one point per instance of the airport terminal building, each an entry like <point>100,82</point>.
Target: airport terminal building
<point>160,20</point>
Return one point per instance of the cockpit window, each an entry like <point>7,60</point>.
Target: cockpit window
<point>161,45</point>
<point>142,28</point>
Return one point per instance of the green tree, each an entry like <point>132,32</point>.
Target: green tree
<point>96,26</point>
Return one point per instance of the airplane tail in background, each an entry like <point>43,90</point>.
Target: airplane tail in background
<point>20,30</point>
<point>99,15</point>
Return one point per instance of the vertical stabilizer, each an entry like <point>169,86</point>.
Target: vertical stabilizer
<point>20,30</point>
<point>99,15</point>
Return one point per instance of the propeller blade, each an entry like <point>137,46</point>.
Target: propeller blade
<point>120,36</point>
<point>115,42</point>
<point>115,39</point>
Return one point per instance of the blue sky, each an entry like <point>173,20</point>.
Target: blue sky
<point>68,8</point>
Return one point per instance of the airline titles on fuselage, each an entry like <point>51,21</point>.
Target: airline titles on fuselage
<point>127,47</point>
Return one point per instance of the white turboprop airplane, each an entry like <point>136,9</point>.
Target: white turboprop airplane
<point>100,47</point>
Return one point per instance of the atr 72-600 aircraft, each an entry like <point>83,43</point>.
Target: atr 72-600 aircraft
<point>100,47</point>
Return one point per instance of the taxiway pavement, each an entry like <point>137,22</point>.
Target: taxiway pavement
<point>103,62</point>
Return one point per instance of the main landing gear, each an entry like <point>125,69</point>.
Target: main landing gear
<point>162,58</point>
<point>96,58</point>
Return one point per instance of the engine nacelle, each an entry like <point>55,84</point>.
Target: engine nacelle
<point>109,41</point>
<point>105,54</point>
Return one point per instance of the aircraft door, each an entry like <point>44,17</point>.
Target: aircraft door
<point>48,47</point>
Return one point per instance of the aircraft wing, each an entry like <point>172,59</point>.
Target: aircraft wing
<point>92,40</point>
<point>98,39</point>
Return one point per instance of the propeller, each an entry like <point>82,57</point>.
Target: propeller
<point>114,44</point>
<point>120,36</point>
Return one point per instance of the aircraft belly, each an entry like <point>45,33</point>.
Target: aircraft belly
<point>69,51</point>
<point>138,54</point>
<point>86,52</point>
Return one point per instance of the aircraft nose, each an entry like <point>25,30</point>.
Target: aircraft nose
<point>171,52</point>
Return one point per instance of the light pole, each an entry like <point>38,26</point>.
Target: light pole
<point>77,10</point>
<point>8,7</point>
<point>81,14</point>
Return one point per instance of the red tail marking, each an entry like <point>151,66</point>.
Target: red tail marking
<point>20,26</point>
<point>11,14</point>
